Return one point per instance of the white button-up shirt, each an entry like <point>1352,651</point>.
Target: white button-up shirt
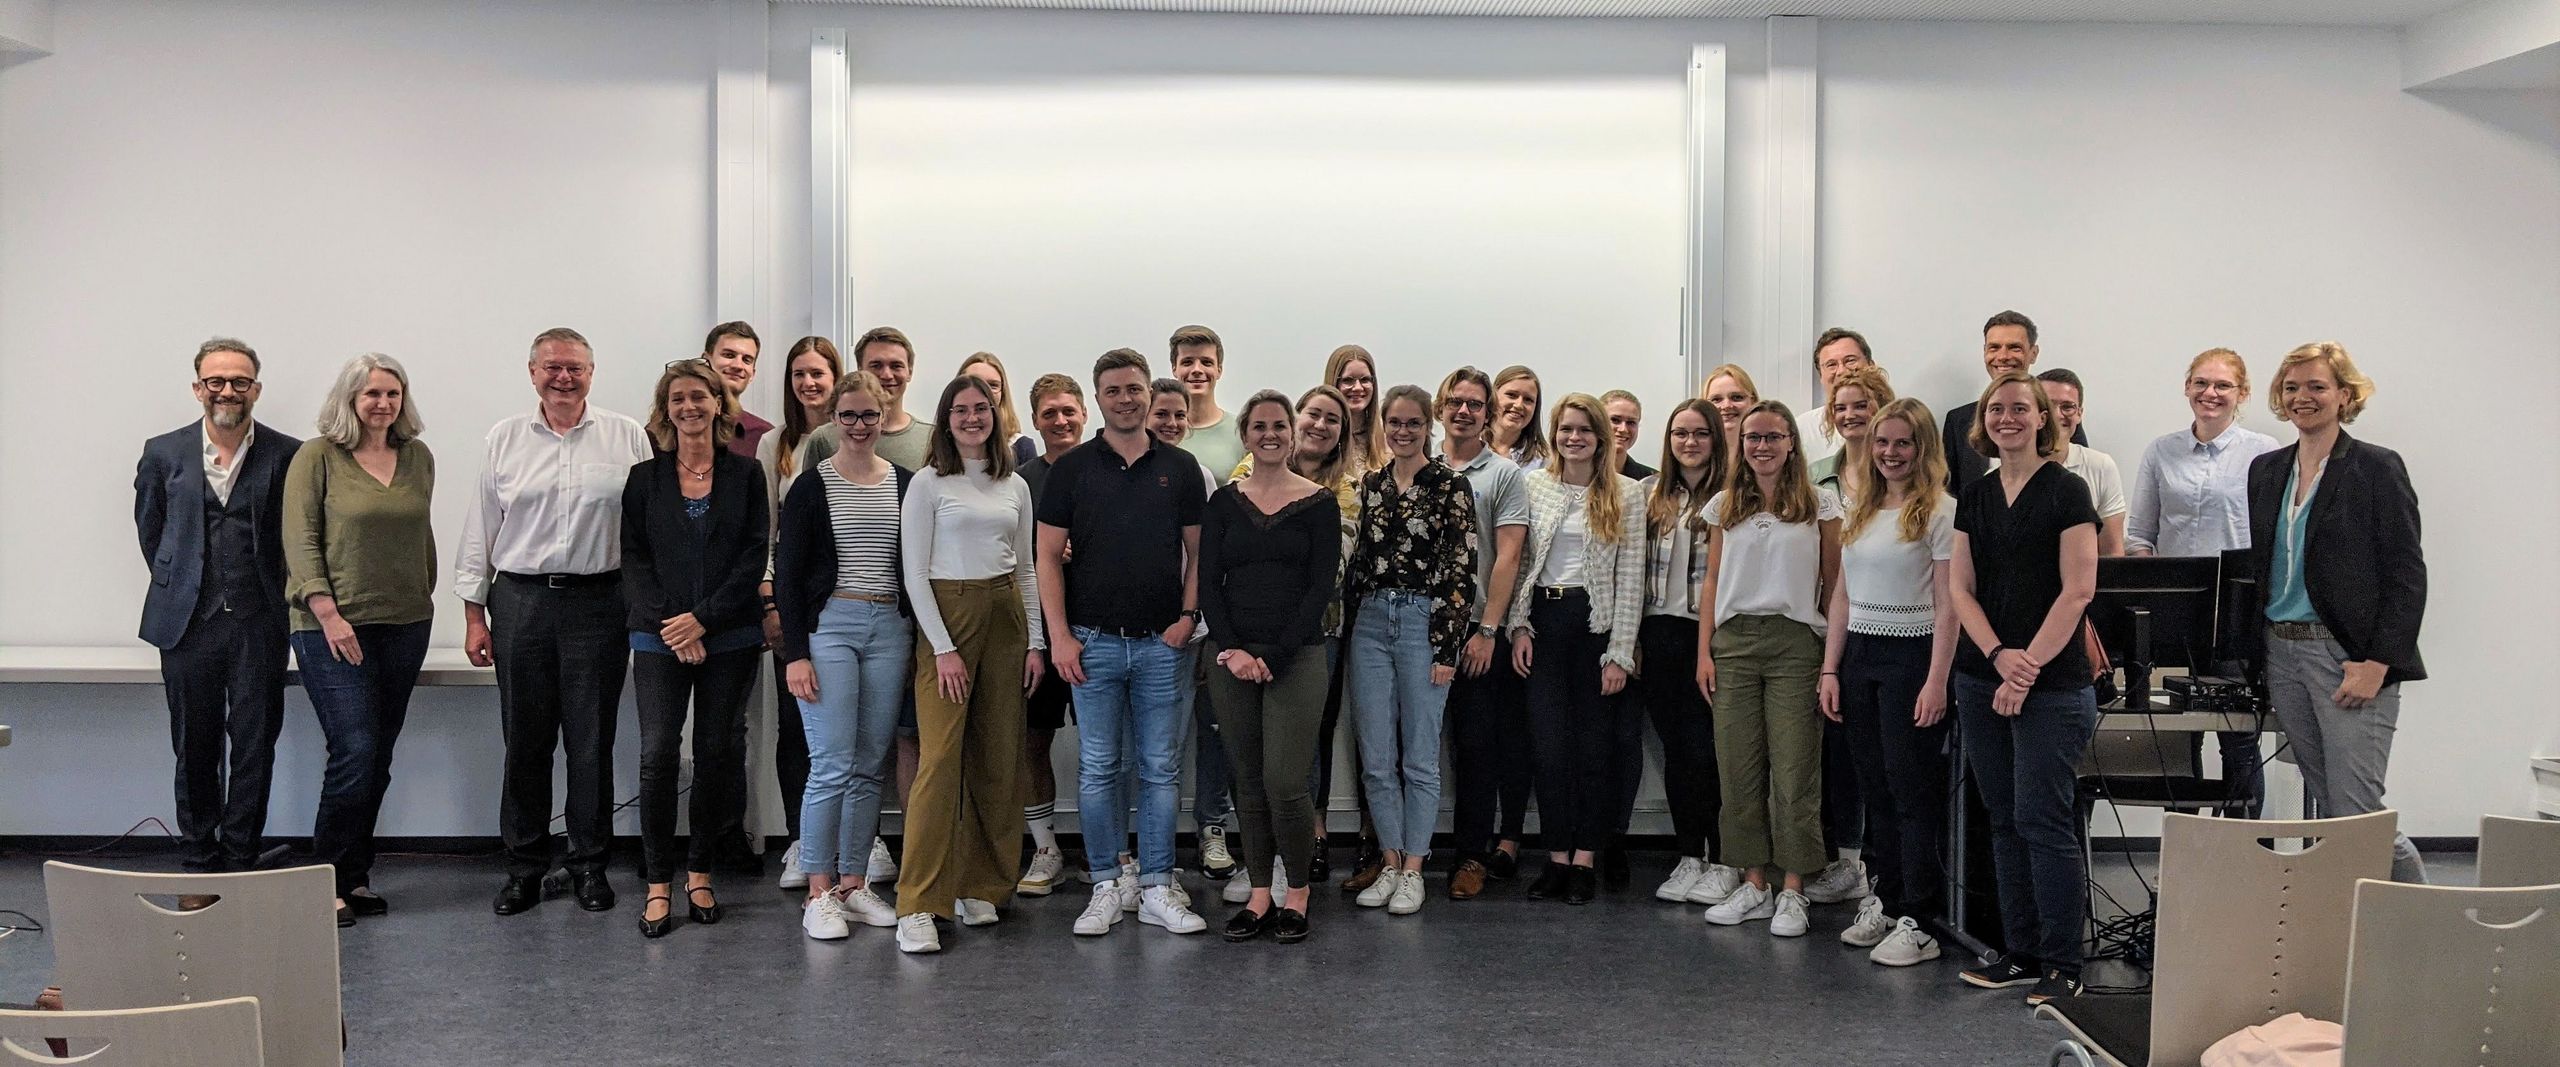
<point>548,503</point>
<point>2191,498</point>
<point>218,477</point>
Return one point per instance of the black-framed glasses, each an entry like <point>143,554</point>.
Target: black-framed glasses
<point>1406,425</point>
<point>860,418</point>
<point>1692,435</point>
<point>1457,403</point>
<point>237,385</point>
<point>1767,438</point>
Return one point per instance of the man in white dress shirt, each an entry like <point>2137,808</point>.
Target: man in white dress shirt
<point>541,592</point>
<point>1838,351</point>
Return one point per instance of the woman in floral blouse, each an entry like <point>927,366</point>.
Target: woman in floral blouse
<point>1413,579</point>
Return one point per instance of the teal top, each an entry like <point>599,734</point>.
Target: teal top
<point>2288,601</point>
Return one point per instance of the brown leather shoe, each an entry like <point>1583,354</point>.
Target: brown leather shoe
<point>1466,881</point>
<point>1370,868</point>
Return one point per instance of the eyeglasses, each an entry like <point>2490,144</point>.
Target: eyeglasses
<point>859,418</point>
<point>237,385</point>
<point>1767,438</point>
<point>1462,404</point>
<point>1406,425</point>
<point>687,362</point>
<point>1693,435</point>
<point>574,370</point>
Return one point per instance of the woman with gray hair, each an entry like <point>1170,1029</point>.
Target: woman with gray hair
<point>360,569</point>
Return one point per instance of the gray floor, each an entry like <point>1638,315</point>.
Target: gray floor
<point>1499,979</point>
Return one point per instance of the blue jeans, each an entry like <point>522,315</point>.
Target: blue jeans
<point>1213,779</point>
<point>860,654</point>
<point>2027,768</point>
<point>1396,710</point>
<point>361,711</point>
<point>1129,709</point>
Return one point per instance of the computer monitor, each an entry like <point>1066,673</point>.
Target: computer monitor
<point>2156,611</point>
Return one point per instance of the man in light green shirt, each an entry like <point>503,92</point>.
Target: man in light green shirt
<point>1199,360</point>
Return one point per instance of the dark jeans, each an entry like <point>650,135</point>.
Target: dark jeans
<point>1320,772</point>
<point>716,690</point>
<point>1575,728</point>
<point>2026,767</point>
<point>1902,770</point>
<point>225,684</point>
<point>561,656</point>
<point>1489,753</point>
<point>1687,726</point>
<point>790,749</point>
<point>361,710</point>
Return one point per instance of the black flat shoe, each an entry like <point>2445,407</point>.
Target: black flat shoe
<point>1246,925</point>
<point>658,927</point>
<point>1581,885</point>
<point>705,914</point>
<point>1502,866</point>
<point>1551,882</point>
<point>346,915</point>
<point>595,893</point>
<point>1614,870</point>
<point>365,905</point>
<point>1287,926</point>
<point>518,895</point>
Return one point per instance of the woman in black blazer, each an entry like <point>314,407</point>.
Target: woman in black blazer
<point>2342,585</point>
<point>693,551</point>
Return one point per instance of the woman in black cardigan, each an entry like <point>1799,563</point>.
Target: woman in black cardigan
<point>693,552</point>
<point>2342,585</point>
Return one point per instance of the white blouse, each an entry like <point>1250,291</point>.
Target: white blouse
<point>1770,567</point>
<point>963,528</point>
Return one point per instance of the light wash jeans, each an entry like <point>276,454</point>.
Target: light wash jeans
<point>1396,710</point>
<point>1129,710</point>
<point>860,653</point>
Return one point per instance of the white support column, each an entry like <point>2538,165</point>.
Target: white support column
<point>831,187</point>
<point>1702,341</point>
<point>1788,310</point>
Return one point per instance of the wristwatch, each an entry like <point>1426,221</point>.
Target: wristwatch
<point>1486,629</point>
<point>1192,614</point>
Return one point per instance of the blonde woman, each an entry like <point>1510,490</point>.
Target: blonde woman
<point>1855,397</point>
<point>1729,390</point>
<point>1353,372</point>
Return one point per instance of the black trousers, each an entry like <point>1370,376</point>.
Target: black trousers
<point>715,691</point>
<point>1489,755</point>
<point>225,684</point>
<point>1687,727</point>
<point>1843,806</point>
<point>790,750</point>
<point>1902,771</point>
<point>561,654</point>
<point>1575,729</point>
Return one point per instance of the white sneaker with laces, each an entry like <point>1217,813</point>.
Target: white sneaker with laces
<point>792,876</point>
<point>1750,903</point>
<point>1789,920</point>
<point>1129,882</point>
<point>1381,890</point>
<point>916,934</point>
<point>1180,895</point>
<point>972,911</point>
<point>1214,856</point>
<point>1871,925</point>
<point>1684,877</point>
<point>867,908</point>
<point>1103,912</point>
<point>884,867</point>
<point>1905,946</point>
<point>1041,877</point>
<point>822,918</point>
<point>1841,879</point>
<point>1407,897</point>
<point>1158,907</point>
<point>1239,889</point>
<point>1716,884</point>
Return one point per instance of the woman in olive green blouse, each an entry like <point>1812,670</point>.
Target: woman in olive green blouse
<point>360,575</point>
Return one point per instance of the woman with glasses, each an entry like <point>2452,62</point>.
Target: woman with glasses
<point>1693,466</point>
<point>985,367</point>
<point>1353,372</point>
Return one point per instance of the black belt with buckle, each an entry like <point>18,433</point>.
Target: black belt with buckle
<point>1125,633</point>
<point>564,581</point>
<point>1560,592</point>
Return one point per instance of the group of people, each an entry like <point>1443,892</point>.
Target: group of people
<point>1796,602</point>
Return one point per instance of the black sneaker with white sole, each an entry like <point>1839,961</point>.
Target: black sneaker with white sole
<point>2054,985</point>
<point>2002,973</point>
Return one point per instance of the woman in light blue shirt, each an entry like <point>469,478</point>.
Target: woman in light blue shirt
<point>2190,496</point>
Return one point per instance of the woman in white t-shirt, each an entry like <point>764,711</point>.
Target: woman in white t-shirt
<point>1773,550</point>
<point>1892,640</point>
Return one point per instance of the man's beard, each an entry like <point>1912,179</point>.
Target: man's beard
<point>227,416</point>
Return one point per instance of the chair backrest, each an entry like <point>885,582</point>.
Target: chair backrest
<point>221,1033</point>
<point>2246,933</point>
<point>2519,851</point>
<point>2454,975</point>
<point>272,935</point>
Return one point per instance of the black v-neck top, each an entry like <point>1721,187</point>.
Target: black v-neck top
<point>2017,565</point>
<point>1265,579</point>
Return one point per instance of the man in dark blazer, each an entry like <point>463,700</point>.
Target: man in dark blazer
<point>207,504</point>
<point>2008,345</point>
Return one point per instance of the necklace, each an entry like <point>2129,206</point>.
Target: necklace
<point>705,472</point>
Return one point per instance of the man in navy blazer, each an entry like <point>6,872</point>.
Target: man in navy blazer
<point>207,502</point>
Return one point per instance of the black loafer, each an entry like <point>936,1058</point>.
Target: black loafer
<point>1551,882</point>
<point>1502,866</point>
<point>1245,925</point>
<point>1287,926</point>
<point>705,914</point>
<point>346,916</point>
<point>594,892</point>
<point>518,895</point>
<point>1581,885</point>
<point>366,905</point>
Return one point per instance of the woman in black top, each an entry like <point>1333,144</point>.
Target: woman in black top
<point>1269,546</point>
<point>2025,565</point>
<point>694,523</point>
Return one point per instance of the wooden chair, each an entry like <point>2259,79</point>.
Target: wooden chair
<point>2245,934</point>
<point>2445,975</point>
<point>2519,851</point>
<point>220,1033</point>
<point>272,935</point>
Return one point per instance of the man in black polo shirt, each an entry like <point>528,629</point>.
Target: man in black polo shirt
<point>1119,616</point>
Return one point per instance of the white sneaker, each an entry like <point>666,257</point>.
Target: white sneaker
<point>1716,884</point>
<point>1214,857</point>
<point>1684,877</point>
<point>823,919</point>
<point>1871,925</point>
<point>1841,879</point>
<point>916,934</point>
<point>884,867</point>
<point>1129,882</point>
<point>1158,907</point>
<point>1905,946</point>
<point>1381,890</point>
<point>1239,889</point>
<point>974,912</point>
<point>1789,920</point>
<point>1103,912</point>
<point>792,876</point>
<point>1174,888</point>
<point>1750,903</point>
<point>1407,898</point>
<point>867,908</point>
<point>1041,878</point>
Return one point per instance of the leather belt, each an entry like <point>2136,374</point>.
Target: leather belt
<point>867,598</point>
<point>1559,592</point>
<point>564,581</point>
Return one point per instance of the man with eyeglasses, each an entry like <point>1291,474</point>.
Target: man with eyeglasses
<point>1488,709</point>
<point>207,502</point>
<point>541,589</point>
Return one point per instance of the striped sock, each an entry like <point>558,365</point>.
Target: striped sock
<point>1042,819</point>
